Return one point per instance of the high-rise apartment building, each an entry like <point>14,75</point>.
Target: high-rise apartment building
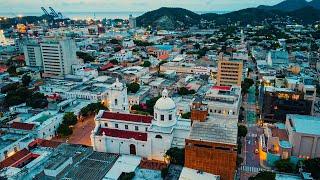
<point>229,72</point>
<point>132,21</point>
<point>58,56</point>
<point>32,54</point>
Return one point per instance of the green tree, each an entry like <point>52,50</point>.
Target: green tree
<point>37,100</point>
<point>64,130</point>
<point>26,79</point>
<point>85,56</point>
<point>284,165</point>
<point>164,172</point>
<point>12,70</point>
<point>176,155</point>
<point>183,91</point>
<point>92,108</point>
<point>312,166</point>
<point>114,41</point>
<point>186,115</point>
<point>126,176</point>
<point>133,87</point>
<point>114,61</point>
<point>196,46</point>
<point>242,131</point>
<point>69,119</point>
<point>264,175</point>
<point>146,64</point>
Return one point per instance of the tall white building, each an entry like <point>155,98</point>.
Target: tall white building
<point>132,21</point>
<point>58,56</point>
<point>32,54</point>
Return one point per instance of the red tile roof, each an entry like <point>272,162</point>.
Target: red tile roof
<point>223,88</point>
<point>106,66</point>
<point>127,117</point>
<point>22,126</point>
<point>14,158</point>
<point>48,143</point>
<point>124,134</point>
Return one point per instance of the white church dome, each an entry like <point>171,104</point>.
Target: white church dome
<point>117,84</point>
<point>165,103</point>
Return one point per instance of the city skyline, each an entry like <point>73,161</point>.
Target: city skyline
<point>33,6</point>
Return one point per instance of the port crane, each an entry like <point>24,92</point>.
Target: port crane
<point>53,13</point>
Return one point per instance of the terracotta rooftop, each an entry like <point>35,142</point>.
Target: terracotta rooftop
<point>123,134</point>
<point>106,66</point>
<point>18,158</point>
<point>281,133</point>
<point>127,117</point>
<point>44,143</point>
<point>152,164</point>
<point>22,126</point>
<point>222,88</point>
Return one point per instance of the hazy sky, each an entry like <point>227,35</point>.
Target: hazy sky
<point>20,6</point>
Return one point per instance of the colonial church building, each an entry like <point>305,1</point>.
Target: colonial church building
<point>118,131</point>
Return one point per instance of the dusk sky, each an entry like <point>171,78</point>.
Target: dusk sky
<point>20,6</point>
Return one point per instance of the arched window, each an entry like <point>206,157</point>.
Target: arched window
<point>116,102</point>
<point>158,136</point>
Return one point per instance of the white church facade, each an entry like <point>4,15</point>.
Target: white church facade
<point>118,131</point>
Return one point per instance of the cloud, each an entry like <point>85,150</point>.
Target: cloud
<point>16,6</point>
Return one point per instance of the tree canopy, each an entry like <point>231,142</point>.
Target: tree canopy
<point>176,155</point>
<point>92,108</point>
<point>26,79</point>
<point>264,175</point>
<point>85,56</point>
<point>146,64</point>
<point>242,131</point>
<point>284,165</point>
<point>133,87</point>
<point>312,166</point>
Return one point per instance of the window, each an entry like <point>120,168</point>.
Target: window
<point>116,125</point>
<point>170,117</point>
<point>162,117</point>
<point>158,136</point>
<point>126,126</point>
<point>155,115</point>
<point>146,128</point>
<point>106,124</point>
<point>116,102</point>
<point>136,128</point>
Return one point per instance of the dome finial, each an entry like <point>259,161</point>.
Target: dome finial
<point>165,93</point>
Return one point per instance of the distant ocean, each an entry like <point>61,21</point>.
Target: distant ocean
<point>95,15</point>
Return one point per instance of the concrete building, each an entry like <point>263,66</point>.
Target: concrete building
<point>32,54</point>
<point>229,72</point>
<point>132,21</point>
<point>58,56</point>
<point>212,148</point>
<point>304,135</point>
<point>224,101</point>
<point>278,57</point>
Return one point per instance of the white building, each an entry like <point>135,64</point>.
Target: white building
<point>58,56</point>
<point>32,54</point>
<point>145,136</point>
<point>124,55</point>
<point>224,101</point>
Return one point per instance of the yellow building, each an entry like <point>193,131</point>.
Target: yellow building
<point>229,72</point>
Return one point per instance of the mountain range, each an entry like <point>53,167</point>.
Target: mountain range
<point>170,18</point>
<point>291,5</point>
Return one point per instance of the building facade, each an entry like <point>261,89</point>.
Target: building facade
<point>32,54</point>
<point>58,56</point>
<point>229,72</point>
<point>118,131</point>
